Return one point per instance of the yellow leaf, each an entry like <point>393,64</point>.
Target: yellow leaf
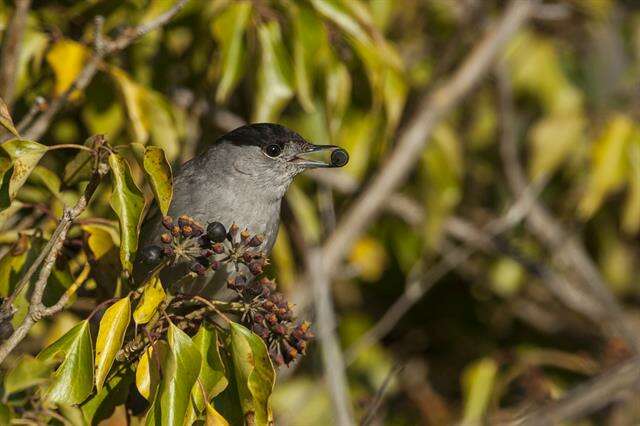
<point>152,297</point>
<point>148,370</point>
<point>66,58</point>
<point>609,167</point>
<point>214,418</point>
<point>552,140</point>
<point>477,381</point>
<point>631,217</point>
<point>369,258</point>
<point>113,326</point>
<point>101,239</point>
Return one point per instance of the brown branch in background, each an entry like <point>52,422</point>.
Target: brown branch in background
<point>102,48</point>
<point>37,310</point>
<point>566,291</point>
<point>588,397</point>
<point>415,135</point>
<point>566,248</point>
<point>419,281</point>
<point>334,366</point>
<point>11,50</point>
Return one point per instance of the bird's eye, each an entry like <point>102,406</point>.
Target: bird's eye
<point>273,150</point>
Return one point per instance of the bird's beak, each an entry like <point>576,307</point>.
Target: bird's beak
<point>316,156</point>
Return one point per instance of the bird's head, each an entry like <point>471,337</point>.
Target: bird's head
<point>273,155</point>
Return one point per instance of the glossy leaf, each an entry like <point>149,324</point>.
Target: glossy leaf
<point>213,418</point>
<point>25,155</point>
<point>127,202</point>
<point>113,326</point>
<point>275,86</point>
<point>336,11</point>
<point>67,58</point>
<point>211,380</point>
<point>148,371</point>
<point>5,119</point>
<point>159,172</point>
<point>228,29</point>
<point>254,374</point>
<point>115,391</point>
<point>179,374</point>
<point>28,372</point>
<point>73,380</point>
<point>152,296</point>
<point>102,238</point>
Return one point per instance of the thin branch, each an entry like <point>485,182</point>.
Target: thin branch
<point>333,362</point>
<point>566,248</point>
<point>37,310</point>
<point>11,50</point>
<point>411,142</point>
<point>377,400</point>
<point>588,397</point>
<point>420,282</point>
<point>102,49</point>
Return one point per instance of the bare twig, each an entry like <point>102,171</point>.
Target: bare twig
<point>588,397</point>
<point>419,282</point>
<point>334,366</point>
<point>413,139</point>
<point>37,310</point>
<point>377,400</point>
<point>566,291</point>
<point>10,50</point>
<point>566,248</point>
<point>102,49</point>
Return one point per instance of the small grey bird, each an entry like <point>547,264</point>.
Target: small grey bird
<point>241,179</point>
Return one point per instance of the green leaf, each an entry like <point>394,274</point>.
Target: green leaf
<point>114,392</point>
<point>113,326</point>
<point>48,179</point>
<point>152,296</point>
<point>132,94</point>
<point>477,382</point>
<point>338,93</point>
<point>274,75</point>
<point>28,372</point>
<point>5,119</point>
<point>73,380</point>
<point>148,371</point>
<point>179,374</point>
<point>254,374</point>
<point>127,202</point>
<point>159,173</point>
<point>309,39</point>
<point>212,378</point>
<point>228,30</point>
<point>335,11</point>
<point>25,155</point>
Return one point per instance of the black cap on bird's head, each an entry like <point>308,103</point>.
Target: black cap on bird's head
<point>282,145</point>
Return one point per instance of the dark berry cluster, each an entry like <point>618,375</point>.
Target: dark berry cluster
<point>271,317</point>
<point>186,240</point>
<point>265,310</point>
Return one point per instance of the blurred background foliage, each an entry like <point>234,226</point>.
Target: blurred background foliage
<point>487,338</point>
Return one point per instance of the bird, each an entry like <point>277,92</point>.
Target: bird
<point>239,179</point>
